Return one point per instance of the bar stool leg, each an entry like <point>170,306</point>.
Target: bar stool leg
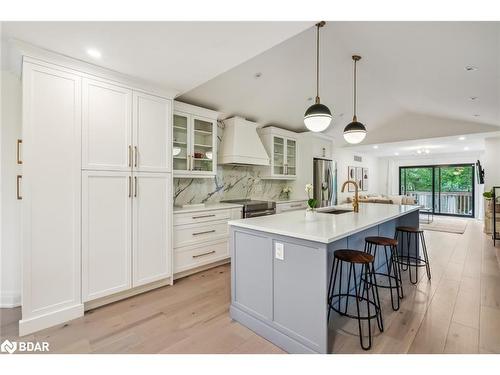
<point>376,298</point>
<point>360,329</point>
<point>333,277</point>
<point>391,269</point>
<point>395,257</point>
<point>426,257</point>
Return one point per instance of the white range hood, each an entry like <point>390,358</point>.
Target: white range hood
<point>241,144</point>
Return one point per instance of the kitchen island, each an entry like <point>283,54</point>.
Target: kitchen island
<point>281,265</point>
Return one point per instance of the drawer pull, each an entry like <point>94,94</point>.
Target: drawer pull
<point>203,254</point>
<point>205,232</point>
<point>296,205</point>
<point>203,216</point>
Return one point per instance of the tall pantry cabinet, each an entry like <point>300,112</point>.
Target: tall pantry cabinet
<point>96,191</point>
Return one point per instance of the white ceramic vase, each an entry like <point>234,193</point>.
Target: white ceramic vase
<point>310,214</point>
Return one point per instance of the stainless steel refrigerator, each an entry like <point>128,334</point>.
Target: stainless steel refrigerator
<point>325,182</point>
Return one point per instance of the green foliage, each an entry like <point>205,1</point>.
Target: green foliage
<point>453,179</point>
<point>312,202</point>
<point>488,194</point>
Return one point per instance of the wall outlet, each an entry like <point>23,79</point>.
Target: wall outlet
<point>279,251</point>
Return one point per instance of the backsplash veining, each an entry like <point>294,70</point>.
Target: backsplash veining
<point>231,182</point>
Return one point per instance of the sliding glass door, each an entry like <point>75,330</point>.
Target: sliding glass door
<point>443,189</point>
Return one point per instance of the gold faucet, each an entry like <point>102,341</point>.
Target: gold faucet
<point>355,201</point>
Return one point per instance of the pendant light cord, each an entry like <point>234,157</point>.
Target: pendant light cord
<point>354,100</point>
<point>317,63</point>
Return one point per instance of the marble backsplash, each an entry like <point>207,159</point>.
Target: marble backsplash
<point>231,182</point>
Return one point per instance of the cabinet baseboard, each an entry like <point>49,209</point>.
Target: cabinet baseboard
<point>126,294</point>
<point>180,275</point>
<point>37,323</point>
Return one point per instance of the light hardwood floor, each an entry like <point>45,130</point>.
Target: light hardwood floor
<point>458,311</point>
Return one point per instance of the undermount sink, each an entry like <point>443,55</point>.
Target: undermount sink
<point>335,211</point>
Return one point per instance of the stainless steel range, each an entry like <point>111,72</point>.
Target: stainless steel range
<point>254,208</point>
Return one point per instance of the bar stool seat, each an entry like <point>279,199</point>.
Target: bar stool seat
<point>392,272</point>
<point>367,303</point>
<point>408,261</point>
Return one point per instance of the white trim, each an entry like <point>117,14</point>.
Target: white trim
<point>190,109</point>
<point>9,300</point>
<point>27,326</point>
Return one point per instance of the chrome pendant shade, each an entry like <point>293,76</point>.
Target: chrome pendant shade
<point>317,117</point>
<point>355,131</point>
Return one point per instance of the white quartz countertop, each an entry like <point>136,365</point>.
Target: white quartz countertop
<point>207,207</point>
<point>327,227</point>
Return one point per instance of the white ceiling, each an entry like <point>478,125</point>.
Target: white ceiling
<point>175,55</point>
<point>427,147</point>
<point>406,67</point>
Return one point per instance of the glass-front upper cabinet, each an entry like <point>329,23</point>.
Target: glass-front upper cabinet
<point>281,145</point>
<point>194,149</point>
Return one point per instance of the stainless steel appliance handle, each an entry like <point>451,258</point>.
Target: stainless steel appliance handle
<point>259,213</point>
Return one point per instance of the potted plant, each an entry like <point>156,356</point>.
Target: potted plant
<point>488,211</point>
<point>311,203</point>
<point>285,192</point>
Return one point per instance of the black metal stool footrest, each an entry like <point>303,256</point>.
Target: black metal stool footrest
<point>376,309</point>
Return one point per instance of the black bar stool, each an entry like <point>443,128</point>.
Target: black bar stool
<point>369,297</point>
<point>392,272</point>
<point>407,235</point>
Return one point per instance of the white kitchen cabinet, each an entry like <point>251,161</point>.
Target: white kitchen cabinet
<point>282,147</point>
<point>50,190</point>
<point>106,233</point>
<point>152,133</point>
<point>107,126</point>
<point>152,227</point>
<point>194,144</point>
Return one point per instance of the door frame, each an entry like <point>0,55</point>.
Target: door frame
<point>438,166</point>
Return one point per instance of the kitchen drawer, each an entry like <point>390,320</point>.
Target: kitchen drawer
<point>199,233</point>
<point>290,206</point>
<point>195,256</point>
<point>201,217</point>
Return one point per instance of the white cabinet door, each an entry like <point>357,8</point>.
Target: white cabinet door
<point>107,126</point>
<point>106,233</point>
<point>152,133</point>
<point>278,162</point>
<point>50,192</point>
<point>291,157</point>
<point>152,223</point>
<point>203,150</point>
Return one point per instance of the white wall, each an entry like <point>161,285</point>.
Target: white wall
<point>10,251</point>
<point>389,171</point>
<point>491,163</point>
<point>345,158</point>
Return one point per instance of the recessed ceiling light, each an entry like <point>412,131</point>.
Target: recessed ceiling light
<point>427,151</point>
<point>466,148</point>
<point>309,99</point>
<point>92,52</point>
<point>472,98</point>
<point>419,151</point>
<point>462,138</point>
<point>258,75</point>
<point>470,68</point>
<point>375,147</point>
<point>396,153</point>
<point>476,115</point>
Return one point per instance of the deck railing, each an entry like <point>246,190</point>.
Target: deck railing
<point>455,203</point>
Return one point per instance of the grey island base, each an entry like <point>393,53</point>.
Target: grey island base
<point>281,266</point>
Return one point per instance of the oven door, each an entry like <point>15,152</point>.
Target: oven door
<point>250,214</point>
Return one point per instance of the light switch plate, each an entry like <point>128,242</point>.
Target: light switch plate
<point>279,251</point>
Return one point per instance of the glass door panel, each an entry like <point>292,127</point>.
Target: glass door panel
<point>279,155</point>
<point>417,182</point>
<point>203,145</point>
<point>180,150</point>
<point>291,153</point>
<point>455,190</point>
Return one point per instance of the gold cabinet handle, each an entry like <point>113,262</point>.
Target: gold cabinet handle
<point>129,187</point>
<point>204,254</point>
<point>129,156</point>
<point>18,151</point>
<point>205,232</point>
<point>18,190</point>
<point>136,153</point>
<point>135,186</point>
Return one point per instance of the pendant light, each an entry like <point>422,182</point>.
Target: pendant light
<point>355,132</point>
<point>317,117</point>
